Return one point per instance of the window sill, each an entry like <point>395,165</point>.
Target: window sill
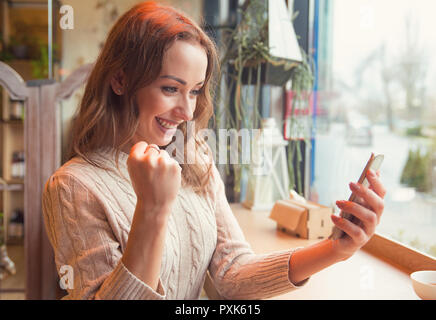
<point>398,254</point>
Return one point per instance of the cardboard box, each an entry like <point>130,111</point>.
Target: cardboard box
<point>306,220</point>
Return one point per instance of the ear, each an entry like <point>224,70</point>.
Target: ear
<point>118,83</point>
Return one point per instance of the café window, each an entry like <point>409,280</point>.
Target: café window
<point>377,93</point>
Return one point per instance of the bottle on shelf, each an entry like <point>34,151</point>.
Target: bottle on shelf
<point>16,224</point>
<point>16,110</point>
<point>14,165</point>
<point>18,165</point>
<point>22,164</point>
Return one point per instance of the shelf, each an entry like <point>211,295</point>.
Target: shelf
<point>13,122</point>
<point>14,181</point>
<point>14,241</point>
<point>12,187</point>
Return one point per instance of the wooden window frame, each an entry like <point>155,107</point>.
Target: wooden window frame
<point>400,255</point>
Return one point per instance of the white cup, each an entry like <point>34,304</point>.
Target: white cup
<point>424,284</point>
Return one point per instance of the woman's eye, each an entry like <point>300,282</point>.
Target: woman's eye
<point>174,90</point>
<point>170,89</point>
<point>196,92</point>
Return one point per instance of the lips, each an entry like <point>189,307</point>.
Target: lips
<point>167,124</point>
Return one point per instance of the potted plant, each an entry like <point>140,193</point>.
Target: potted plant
<point>5,55</point>
<point>18,46</point>
<point>40,65</point>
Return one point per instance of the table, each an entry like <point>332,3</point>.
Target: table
<point>363,276</point>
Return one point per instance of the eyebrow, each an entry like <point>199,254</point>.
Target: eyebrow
<point>178,79</point>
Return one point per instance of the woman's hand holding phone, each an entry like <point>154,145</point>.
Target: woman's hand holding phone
<point>366,209</point>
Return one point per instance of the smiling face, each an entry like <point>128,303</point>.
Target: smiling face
<point>171,98</point>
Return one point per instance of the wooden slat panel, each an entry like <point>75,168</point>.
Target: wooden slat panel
<point>49,162</point>
<point>32,196</point>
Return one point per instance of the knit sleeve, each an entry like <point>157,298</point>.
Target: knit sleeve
<point>237,272</point>
<point>85,246</point>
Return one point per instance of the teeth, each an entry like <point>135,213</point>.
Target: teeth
<point>166,124</point>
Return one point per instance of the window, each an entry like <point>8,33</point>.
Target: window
<point>377,93</point>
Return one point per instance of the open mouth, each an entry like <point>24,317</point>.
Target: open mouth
<point>167,124</point>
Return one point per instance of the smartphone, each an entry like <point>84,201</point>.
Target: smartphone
<point>374,164</point>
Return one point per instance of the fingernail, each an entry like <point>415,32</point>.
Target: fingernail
<point>341,203</point>
<point>354,186</point>
<point>371,173</point>
<point>336,218</point>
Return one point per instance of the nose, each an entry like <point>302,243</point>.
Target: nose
<point>185,109</point>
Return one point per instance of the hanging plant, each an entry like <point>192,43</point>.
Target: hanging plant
<point>299,120</point>
<point>247,61</point>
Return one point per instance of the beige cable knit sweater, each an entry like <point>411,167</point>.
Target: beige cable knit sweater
<point>88,213</point>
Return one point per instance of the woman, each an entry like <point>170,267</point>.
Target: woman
<point>133,223</point>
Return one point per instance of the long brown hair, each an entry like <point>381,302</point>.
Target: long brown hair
<point>136,45</point>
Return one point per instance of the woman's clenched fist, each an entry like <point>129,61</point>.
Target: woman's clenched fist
<point>155,176</point>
